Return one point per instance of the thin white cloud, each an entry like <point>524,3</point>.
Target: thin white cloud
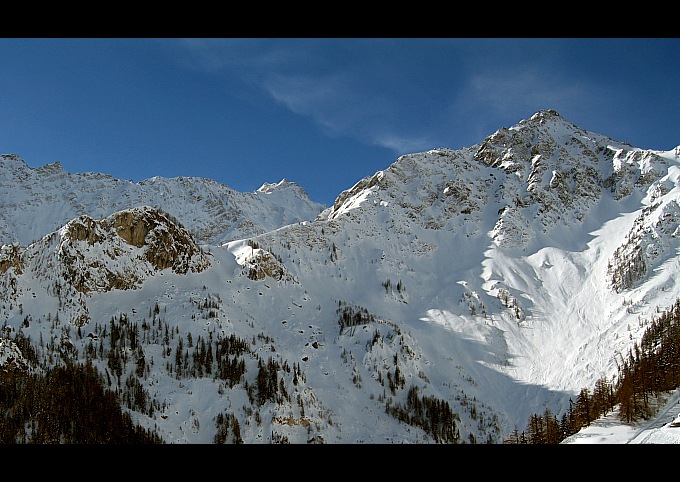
<point>404,144</point>
<point>343,108</point>
<point>295,74</point>
<point>326,99</point>
<point>379,101</point>
<point>492,99</point>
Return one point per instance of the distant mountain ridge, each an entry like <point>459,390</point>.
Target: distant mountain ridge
<point>36,201</point>
<point>491,282</point>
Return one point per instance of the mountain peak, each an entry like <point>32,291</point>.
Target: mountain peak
<point>10,161</point>
<point>53,167</point>
<point>269,188</point>
<point>546,114</point>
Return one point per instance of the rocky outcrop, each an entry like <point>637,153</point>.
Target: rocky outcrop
<point>651,240</point>
<point>12,361</point>
<point>10,257</point>
<point>120,251</point>
<point>168,244</point>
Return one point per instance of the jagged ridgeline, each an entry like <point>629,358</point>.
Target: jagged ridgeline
<point>37,201</point>
<point>444,299</point>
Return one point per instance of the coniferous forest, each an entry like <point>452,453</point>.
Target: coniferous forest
<point>67,405</point>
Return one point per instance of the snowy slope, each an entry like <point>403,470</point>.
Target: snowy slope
<point>500,278</point>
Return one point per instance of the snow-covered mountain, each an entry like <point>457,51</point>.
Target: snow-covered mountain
<point>482,285</point>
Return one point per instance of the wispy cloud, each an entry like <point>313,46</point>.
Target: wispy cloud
<point>297,75</point>
<point>364,90</point>
<point>490,99</point>
<point>344,107</point>
<point>509,92</point>
<point>327,99</point>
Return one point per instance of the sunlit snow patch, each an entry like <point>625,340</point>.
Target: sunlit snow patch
<point>242,251</point>
<point>450,321</point>
<point>355,201</point>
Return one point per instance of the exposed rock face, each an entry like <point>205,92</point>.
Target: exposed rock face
<point>131,227</point>
<point>118,244</point>
<point>10,257</point>
<point>87,256</point>
<point>117,252</point>
<point>651,240</point>
<point>12,360</point>
<point>168,244</point>
<point>263,264</point>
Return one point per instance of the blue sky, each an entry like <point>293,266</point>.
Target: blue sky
<point>322,112</point>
